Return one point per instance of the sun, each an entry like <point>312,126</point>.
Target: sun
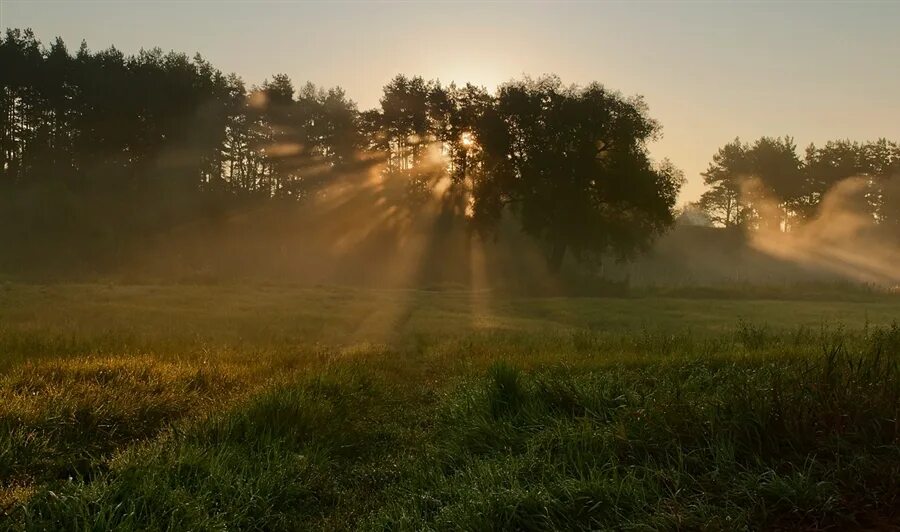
<point>467,140</point>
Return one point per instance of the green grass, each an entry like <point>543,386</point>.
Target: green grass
<point>283,408</point>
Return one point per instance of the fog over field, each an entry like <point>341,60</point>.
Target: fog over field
<point>463,293</point>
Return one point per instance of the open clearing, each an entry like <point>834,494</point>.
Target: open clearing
<point>278,407</point>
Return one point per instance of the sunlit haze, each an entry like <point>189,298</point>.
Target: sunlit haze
<point>709,71</point>
<point>428,265</point>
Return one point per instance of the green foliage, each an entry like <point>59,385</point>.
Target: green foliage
<point>160,141</point>
<point>692,423</point>
<point>720,442</point>
<point>796,187</point>
<point>573,163</point>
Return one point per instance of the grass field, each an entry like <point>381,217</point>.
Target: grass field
<point>279,407</point>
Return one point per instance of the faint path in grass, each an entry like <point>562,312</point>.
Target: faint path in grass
<point>387,320</point>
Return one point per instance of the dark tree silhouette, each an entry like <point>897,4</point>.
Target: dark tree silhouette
<point>573,163</point>
<point>100,151</point>
<point>775,165</point>
<point>722,202</point>
<point>798,186</point>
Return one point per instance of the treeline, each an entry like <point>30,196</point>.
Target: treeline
<point>99,150</point>
<point>768,184</point>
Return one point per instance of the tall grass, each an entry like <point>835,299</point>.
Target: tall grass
<point>752,427</point>
<point>727,443</point>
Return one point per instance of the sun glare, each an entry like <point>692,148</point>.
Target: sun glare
<point>467,139</point>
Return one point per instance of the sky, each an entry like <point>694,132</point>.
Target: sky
<point>709,71</point>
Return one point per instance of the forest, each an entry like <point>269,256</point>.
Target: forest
<point>103,156</point>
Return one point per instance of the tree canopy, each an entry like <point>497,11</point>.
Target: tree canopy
<point>797,185</point>
<point>573,162</point>
<point>158,139</point>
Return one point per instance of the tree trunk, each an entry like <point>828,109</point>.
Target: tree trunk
<point>556,256</point>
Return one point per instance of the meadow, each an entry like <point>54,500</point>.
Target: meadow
<point>279,407</point>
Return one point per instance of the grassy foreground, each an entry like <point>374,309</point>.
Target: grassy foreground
<point>127,407</point>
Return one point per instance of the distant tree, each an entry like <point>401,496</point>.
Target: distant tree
<point>882,160</point>
<point>877,163</point>
<point>276,138</point>
<point>404,120</point>
<point>454,117</point>
<point>573,163</point>
<point>796,187</point>
<point>746,181</point>
<point>776,166</point>
<point>722,202</point>
<point>329,136</point>
<point>23,104</point>
<point>99,150</point>
<point>337,135</point>
<point>234,153</point>
<point>102,149</point>
<point>824,167</point>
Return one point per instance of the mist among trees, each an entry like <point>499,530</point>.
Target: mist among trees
<point>106,157</point>
<point>101,150</point>
<point>797,184</point>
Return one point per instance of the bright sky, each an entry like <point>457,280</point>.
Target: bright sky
<point>710,71</point>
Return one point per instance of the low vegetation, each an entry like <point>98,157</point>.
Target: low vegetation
<point>399,410</point>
